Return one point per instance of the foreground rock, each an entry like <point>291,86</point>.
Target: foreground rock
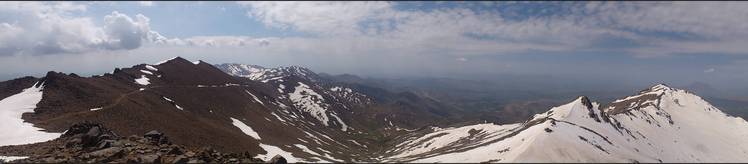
<point>92,143</point>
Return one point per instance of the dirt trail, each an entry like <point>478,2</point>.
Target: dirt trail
<point>123,96</point>
<point>119,99</point>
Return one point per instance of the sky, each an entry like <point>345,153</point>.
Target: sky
<point>636,42</point>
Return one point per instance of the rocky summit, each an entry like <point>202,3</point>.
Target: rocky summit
<point>93,143</point>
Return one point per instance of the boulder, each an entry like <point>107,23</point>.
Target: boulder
<point>150,158</point>
<point>107,153</point>
<point>154,135</point>
<point>278,160</point>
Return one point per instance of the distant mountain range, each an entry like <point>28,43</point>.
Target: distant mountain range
<point>297,115</point>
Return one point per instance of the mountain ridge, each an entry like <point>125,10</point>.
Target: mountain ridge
<point>643,133</point>
<point>304,117</point>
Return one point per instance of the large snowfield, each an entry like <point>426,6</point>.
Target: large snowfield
<point>15,130</point>
<point>676,126</point>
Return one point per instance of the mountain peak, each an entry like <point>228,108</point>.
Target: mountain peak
<point>174,59</point>
<point>580,106</point>
<point>259,73</point>
<point>585,101</point>
<point>659,87</point>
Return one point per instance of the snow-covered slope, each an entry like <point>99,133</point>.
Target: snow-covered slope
<point>262,74</point>
<point>304,90</point>
<point>294,113</point>
<point>15,130</point>
<point>661,124</point>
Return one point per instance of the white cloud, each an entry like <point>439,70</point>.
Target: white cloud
<point>710,70</point>
<point>48,28</point>
<point>719,26</point>
<point>370,28</point>
<point>146,3</point>
<point>462,59</point>
<point>716,20</point>
<point>316,17</point>
<point>125,33</point>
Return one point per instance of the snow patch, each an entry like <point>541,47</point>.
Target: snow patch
<point>255,97</point>
<point>338,89</point>
<point>15,130</point>
<point>149,67</point>
<point>147,72</point>
<point>272,151</point>
<point>388,122</point>
<point>174,103</point>
<point>359,144</point>
<point>280,88</point>
<point>164,61</point>
<point>244,128</point>
<point>309,101</point>
<point>333,158</point>
<point>11,158</point>
<point>278,117</point>
<point>95,109</point>
<point>142,80</point>
<point>306,149</point>
<point>343,126</point>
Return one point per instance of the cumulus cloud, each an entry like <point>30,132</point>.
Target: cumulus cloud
<point>709,27</point>
<point>653,28</point>
<point>48,28</point>
<point>123,32</point>
<point>710,70</point>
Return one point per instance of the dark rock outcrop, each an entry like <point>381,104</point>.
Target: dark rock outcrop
<point>278,160</point>
<point>92,143</point>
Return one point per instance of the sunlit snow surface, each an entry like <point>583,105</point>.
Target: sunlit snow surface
<point>147,72</point>
<point>142,80</point>
<point>699,132</point>
<point>149,67</point>
<point>307,150</point>
<point>14,130</point>
<point>174,103</point>
<point>244,128</point>
<point>309,101</point>
<point>11,158</point>
<point>167,60</point>
<point>343,126</point>
<point>254,97</point>
<point>274,150</point>
<point>248,71</point>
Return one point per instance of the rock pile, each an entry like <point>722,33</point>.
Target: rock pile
<point>92,143</point>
